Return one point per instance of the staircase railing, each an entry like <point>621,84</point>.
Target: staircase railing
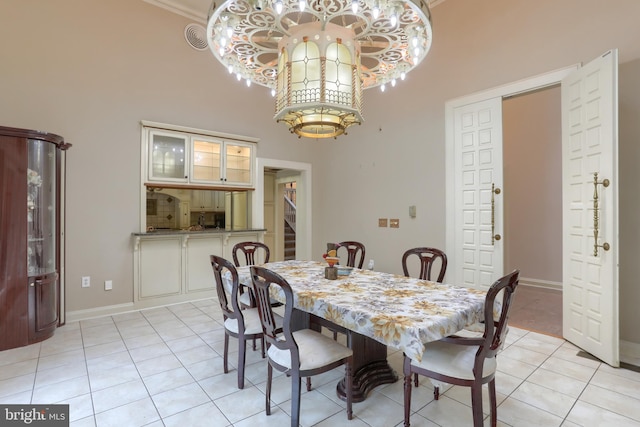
<point>290,207</point>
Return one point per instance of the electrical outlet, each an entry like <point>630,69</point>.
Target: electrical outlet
<point>86,281</point>
<point>108,285</point>
<point>394,223</point>
<point>382,222</point>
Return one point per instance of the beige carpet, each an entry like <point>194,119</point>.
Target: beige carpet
<point>538,310</point>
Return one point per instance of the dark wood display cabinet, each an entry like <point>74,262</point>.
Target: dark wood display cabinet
<point>31,235</point>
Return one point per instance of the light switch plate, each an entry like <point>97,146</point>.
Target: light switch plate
<point>382,222</point>
<point>394,223</point>
<point>412,211</point>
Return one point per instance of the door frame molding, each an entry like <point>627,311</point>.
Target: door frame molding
<point>507,90</point>
<point>303,198</point>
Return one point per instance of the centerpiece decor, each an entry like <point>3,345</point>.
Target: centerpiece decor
<point>331,256</point>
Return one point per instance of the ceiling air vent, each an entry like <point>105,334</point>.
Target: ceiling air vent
<point>196,36</point>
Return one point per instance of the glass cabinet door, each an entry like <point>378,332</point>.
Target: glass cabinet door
<point>238,163</point>
<point>207,161</point>
<point>41,208</point>
<point>167,156</point>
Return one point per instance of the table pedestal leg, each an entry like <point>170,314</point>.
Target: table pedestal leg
<point>370,367</point>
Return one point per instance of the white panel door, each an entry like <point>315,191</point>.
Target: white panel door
<point>590,145</point>
<point>478,257</point>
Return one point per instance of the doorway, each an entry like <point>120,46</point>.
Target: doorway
<point>590,217</point>
<point>280,172</point>
<point>532,168</point>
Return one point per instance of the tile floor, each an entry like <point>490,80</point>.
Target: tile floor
<point>537,309</point>
<point>163,367</point>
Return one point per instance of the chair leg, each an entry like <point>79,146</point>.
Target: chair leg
<point>262,344</point>
<point>268,393</point>
<point>493,403</point>
<point>308,383</point>
<point>407,390</point>
<point>335,336</point>
<point>476,404</point>
<point>225,356</point>
<point>242,357</point>
<point>436,393</point>
<point>296,385</point>
<point>415,380</point>
<point>407,400</point>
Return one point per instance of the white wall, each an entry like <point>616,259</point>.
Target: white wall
<point>90,70</point>
<point>532,153</point>
<point>629,161</point>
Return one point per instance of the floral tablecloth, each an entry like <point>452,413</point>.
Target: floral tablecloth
<point>398,311</point>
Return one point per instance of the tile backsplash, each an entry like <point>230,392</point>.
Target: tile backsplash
<point>163,211</point>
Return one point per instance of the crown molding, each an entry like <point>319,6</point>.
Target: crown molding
<point>196,10</point>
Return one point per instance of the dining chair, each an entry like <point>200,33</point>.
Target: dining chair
<point>467,361</point>
<point>238,323</point>
<point>300,353</point>
<point>355,250</point>
<point>429,258</point>
<point>251,252</point>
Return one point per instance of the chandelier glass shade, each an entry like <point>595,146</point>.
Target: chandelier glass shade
<point>317,56</point>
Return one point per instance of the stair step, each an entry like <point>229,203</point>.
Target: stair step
<point>289,242</point>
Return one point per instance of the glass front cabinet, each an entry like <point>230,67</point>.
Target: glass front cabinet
<point>198,160</point>
<point>32,229</point>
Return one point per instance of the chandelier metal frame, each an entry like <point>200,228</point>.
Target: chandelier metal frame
<point>391,36</point>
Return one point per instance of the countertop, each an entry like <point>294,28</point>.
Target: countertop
<point>204,231</point>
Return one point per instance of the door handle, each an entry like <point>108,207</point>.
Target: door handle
<point>596,214</point>
<point>494,237</point>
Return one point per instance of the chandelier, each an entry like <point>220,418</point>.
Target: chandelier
<point>317,56</point>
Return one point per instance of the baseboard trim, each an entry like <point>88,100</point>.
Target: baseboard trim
<point>90,313</point>
<point>538,283</point>
<point>110,310</point>
<point>630,352</point>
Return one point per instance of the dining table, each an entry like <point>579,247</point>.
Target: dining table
<point>377,310</point>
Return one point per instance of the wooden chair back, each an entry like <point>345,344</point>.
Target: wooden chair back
<point>355,253</point>
<point>219,265</point>
<point>496,330</point>
<point>249,249</point>
<point>279,336</point>
<point>428,257</point>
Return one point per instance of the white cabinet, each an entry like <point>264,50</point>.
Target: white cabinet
<point>175,267</point>
<point>167,156</point>
<point>185,214</point>
<point>160,272</point>
<point>222,162</point>
<point>197,160</point>
<point>218,201</point>
<point>199,274</point>
<point>207,200</point>
<point>202,200</point>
